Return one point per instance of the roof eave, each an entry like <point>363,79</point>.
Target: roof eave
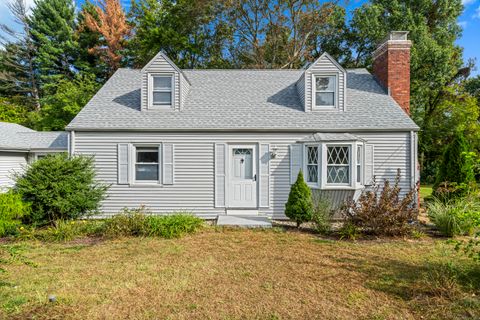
<point>312,130</point>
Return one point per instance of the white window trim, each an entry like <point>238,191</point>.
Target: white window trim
<point>134,162</point>
<point>314,91</point>
<point>150,91</point>
<point>322,163</point>
<point>351,174</point>
<point>362,164</point>
<point>305,164</point>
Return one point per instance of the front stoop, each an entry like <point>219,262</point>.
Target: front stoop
<point>244,221</point>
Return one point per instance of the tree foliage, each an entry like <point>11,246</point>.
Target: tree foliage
<point>17,65</point>
<point>278,34</point>
<point>189,32</point>
<point>110,22</point>
<point>436,63</point>
<point>52,25</point>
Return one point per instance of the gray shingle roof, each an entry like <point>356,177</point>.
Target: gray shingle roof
<point>241,100</point>
<point>17,137</point>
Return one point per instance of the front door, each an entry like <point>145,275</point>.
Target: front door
<point>242,177</point>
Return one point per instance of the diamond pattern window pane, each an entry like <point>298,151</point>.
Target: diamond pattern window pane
<point>338,155</point>
<point>312,155</point>
<point>338,174</point>
<point>312,173</point>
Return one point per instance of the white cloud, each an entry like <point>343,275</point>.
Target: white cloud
<point>467,2</point>
<point>463,24</point>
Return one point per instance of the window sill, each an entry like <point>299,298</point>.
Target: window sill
<point>337,187</point>
<point>325,108</point>
<point>145,185</point>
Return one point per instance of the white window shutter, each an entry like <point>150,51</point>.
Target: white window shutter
<point>160,163</point>
<point>264,176</point>
<point>167,163</point>
<point>123,163</point>
<point>220,174</point>
<point>369,164</point>
<point>296,159</point>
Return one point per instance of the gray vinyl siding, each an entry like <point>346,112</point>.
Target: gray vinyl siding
<point>10,162</point>
<point>392,152</point>
<point>184,90</point>
<point>326,66</point>
<point>160,65</point>
<point>194,167</point>
<point>301,89</point>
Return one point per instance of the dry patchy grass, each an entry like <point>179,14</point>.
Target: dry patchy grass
<point>237,274</point>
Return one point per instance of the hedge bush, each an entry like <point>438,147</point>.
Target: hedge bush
<point>60,188</point>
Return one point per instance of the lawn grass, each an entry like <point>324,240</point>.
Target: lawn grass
<point>238,274</point>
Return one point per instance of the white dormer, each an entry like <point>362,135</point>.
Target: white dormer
<point>322,87</point>
<point>164,86</point>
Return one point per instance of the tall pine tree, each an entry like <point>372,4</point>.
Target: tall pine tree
<point>18,77</point>
<point>52,25</point>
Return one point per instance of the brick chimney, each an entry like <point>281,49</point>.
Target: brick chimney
<point>391,67</point>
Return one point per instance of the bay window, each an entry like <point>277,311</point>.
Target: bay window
<point>335,165</point>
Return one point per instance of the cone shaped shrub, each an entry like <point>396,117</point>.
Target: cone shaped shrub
<point>299,206</point>
<point>456,171</point>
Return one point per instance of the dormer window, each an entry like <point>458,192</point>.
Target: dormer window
<point>325,91</point>
<point>161,93</point>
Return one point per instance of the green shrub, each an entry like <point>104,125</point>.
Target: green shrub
<point>130,222</point>
<point>348,231</point>
<point>322,215</point>
<point>456,217</point>
<point>383,212</point>
<point>12,210</point>
<point>60,188</point>
<point>299,206</point>
<point>137,223</point>
<point>172,226</point>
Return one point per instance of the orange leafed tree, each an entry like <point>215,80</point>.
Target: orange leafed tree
<point>111,23</point>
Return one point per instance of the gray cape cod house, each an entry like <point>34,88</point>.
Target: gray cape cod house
<point>220,142</point>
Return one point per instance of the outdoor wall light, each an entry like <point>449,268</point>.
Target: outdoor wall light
<point>273,153</point>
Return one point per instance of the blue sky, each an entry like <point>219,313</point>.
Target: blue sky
<point>469,20</point>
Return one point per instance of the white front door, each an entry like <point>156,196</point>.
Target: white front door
<point>242,177</point>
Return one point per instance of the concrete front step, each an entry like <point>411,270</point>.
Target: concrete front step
<point>244,221</point>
